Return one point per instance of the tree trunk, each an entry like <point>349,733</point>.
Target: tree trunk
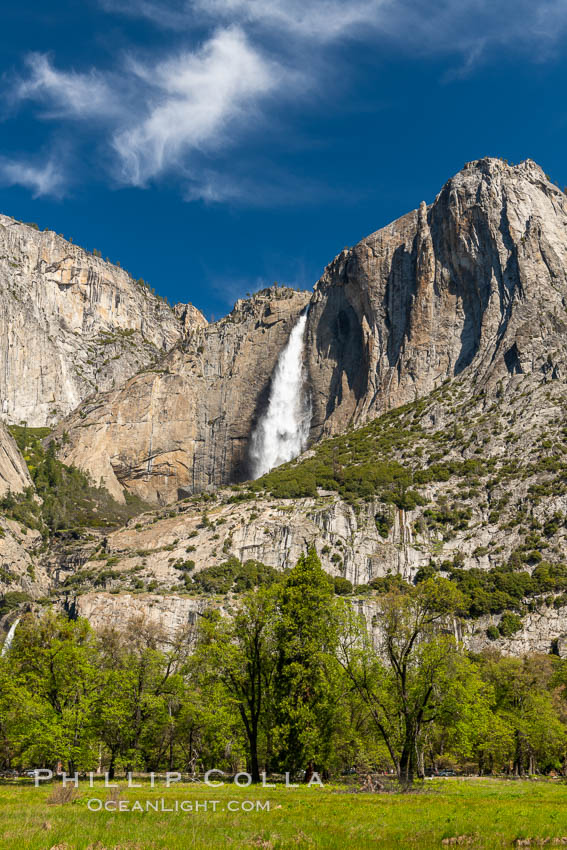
<point>254,766</point>
<point>519,757</point>
<point>420,762</point>
<point>407,765</point>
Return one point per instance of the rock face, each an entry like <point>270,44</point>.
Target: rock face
<point>184,424</point>
<point>71,325</point>
<point>21,569</point>
<point>14,475</point>
<point>474,284</point>
<point>170,614</point>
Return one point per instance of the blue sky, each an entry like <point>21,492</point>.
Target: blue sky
<point>215,146</point>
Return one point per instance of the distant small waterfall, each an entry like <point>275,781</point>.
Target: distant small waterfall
<point>282,432</point>
<point>10,637</point>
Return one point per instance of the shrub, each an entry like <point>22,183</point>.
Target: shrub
<point>384,523</point>
<point>13,599</point>
<point>233,575</point>
<point>509,624</point>
<point>389,583</point>
<point>185,566</point>
<point>492,633</point>
<point>343,587</point>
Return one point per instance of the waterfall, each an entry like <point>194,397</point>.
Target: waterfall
<point>282,432</point>
<point>10,637</point>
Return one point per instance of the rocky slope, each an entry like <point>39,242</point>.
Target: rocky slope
<point>71,325</point>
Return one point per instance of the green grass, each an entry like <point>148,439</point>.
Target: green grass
<point>492,813</point>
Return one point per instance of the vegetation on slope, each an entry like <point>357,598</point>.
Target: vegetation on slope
<point>458,480</point>
<point>63,497</point>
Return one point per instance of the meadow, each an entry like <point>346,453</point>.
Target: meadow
<point>477,813</point>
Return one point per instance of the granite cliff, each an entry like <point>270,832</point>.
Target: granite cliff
<point>473,285</point>
<point>72,324</point>
<point>14,475</point>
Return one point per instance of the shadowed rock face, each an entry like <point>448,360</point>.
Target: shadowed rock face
<point>474,283</point>
<point>185,424</point>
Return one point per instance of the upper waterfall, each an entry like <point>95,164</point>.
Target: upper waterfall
<point>282,432</point>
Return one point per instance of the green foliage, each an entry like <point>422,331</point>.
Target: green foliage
<point>343,587</point>
<point>185,566</point>
<point>509,624</point>
<point>69,499</point>
<point>306,673</point>
<point>241,656</point>
<point>506,586</point>
<point>388,584</point>
<point>234,576</point>
<point>384,523</point>
<point>290,679</point>
<point>455,516</point>
<point>11,600</point>
<point>415,675</point>
<point>294,483</point>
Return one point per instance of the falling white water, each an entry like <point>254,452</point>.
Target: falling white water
<point>283,430</point>
<point>10,637</point>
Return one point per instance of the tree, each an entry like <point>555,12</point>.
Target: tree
<point>55,660</point>
<point>307,677</point>
<point>241,652</point>
<point>407,676</point>
<point>140,693</point>
<point>526,701</point>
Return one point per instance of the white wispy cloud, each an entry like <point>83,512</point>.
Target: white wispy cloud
<point>263,186</point>
<point>66,93</point>
<point>153,116</point>
<point>320,20</point>
<point>324,20</point>
<point>467,26</point>
<point>192,101</point>
<point>41,179</point>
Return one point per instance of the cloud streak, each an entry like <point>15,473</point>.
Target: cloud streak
<point>466,26</point>
<point>42,179</point>
<point>65,94</point>
<point>318,20</point>
<point>193,101</point>
<point>154,116</point>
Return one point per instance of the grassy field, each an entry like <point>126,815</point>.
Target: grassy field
<point>474,813</point>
